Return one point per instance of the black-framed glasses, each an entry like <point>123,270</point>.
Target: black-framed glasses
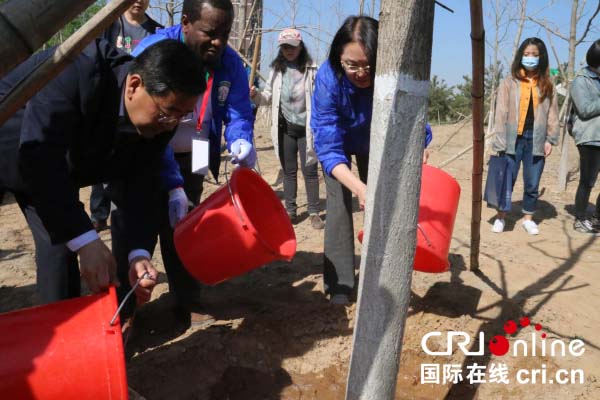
<point>355,69</point>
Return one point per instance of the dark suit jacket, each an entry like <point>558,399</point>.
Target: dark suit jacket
<point>70,135</point>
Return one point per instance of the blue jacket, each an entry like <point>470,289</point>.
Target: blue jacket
<point>341,119</point>
<point>230,106</point>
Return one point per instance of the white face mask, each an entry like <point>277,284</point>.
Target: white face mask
<point>530,63</point>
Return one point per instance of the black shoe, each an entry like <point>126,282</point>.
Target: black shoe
<point>293,217</point>
<point>584,226</point>
<point>595,220</point>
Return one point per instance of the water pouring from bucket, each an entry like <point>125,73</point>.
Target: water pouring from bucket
<point>438,205</point>
<point>238,228</point>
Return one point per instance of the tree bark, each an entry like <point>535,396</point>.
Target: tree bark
<point>63,54</point>
<point>26,25</point>
<point>397,140</point>
<point>478,50</point>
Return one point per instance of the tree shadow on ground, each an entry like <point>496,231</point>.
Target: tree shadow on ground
<point>449,299</point>
<point>512,308</point>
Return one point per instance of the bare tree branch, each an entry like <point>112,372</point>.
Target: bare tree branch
<point>589,24</point>
<point>545,24</point>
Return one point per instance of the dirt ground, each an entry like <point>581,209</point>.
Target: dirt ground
<point>277,337</point>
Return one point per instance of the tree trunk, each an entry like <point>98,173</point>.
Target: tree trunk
<point>399,112</point>
<point>478,50</point>
<point>26,25</point>
<point>63,54</point>
<point>563,168</point>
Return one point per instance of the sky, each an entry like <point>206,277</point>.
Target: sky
<point>318,21</point>
<point>451,53</point>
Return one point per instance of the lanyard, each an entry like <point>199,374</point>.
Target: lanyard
<point>205,99</point>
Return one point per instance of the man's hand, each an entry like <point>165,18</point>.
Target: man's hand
<point>137,268</point>
<point>97,266</point>
<point>178,206</point>
<point>252,91</point>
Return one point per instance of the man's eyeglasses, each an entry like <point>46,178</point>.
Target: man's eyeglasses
<point>168,119</point>
<point>354,69</point>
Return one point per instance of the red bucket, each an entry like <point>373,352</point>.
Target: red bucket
<point>63,350</point>
<point>238,228</point>
<point>437,212</point>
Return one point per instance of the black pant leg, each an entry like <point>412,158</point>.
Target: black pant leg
<point>288,156</point>
<point>589,164</point>
<point>338,262</point>
<point>311,178</point>
<point>57,267</point>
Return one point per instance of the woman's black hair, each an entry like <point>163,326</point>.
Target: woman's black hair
<point>593,55</point>
<point>170,66</point>
<point>543,70</point>
<point>303,60</point>
<point>360,29</point>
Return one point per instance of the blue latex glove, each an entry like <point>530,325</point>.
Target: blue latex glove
<point>243,153</point>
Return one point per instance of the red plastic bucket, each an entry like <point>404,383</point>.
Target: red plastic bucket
<point>238,228</point>
<point>438,205</point>
<point>63,350</point>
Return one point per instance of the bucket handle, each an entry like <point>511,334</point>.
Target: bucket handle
<point>114,318</point>
<point>424,235</point>
<point>235,204</point>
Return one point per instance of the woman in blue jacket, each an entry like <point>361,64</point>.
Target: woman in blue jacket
<point>341,121</point>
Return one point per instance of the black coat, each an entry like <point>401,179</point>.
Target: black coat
<point>70,135</point>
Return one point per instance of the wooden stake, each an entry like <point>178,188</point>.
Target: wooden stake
<point>478,49</point>
<point>255,58</point>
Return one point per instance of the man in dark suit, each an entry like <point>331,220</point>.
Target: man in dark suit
<point>105,118</point>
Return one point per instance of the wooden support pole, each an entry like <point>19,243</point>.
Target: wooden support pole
<point>247,62</point>
<point>477,93</point>
<point>63,54</point>
<point>255,58</point>
<point>26,25</point>
<point>395,164</point>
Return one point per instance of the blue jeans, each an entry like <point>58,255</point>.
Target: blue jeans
<point>533,166</point>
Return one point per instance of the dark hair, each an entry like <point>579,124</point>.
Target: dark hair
<point>358,29</point>
<point>170,66</point>
<point>193,8</point>
<point>544,83</point>
<point>593,55</point>
<point>303,60</point>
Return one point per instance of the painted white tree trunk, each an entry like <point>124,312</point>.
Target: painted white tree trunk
<point>397,138</point>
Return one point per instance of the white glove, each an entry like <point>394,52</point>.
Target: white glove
<point>178,206</point>
<point>243,153</point>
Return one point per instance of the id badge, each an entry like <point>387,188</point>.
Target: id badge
<point>200,156</point>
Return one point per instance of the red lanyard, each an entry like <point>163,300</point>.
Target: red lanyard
<point>205,99</point>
